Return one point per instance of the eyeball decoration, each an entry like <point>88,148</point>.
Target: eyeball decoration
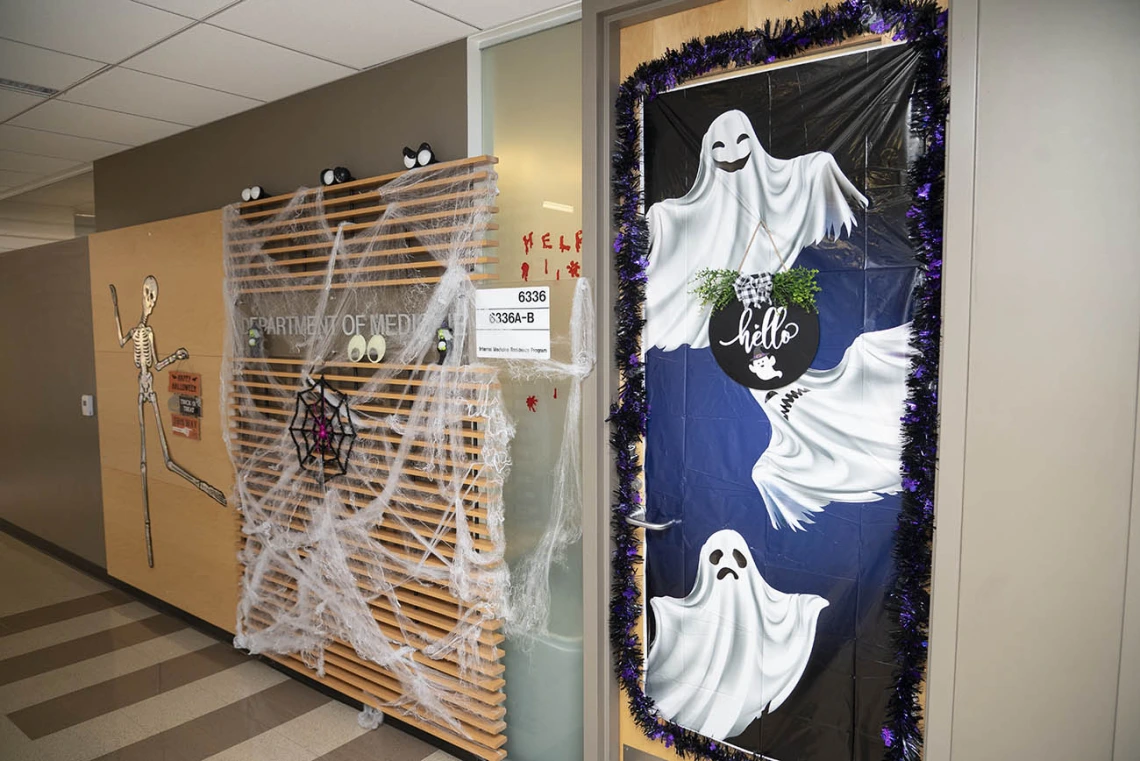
<point>255,340</point>
<point>372,350</point>
<point>356,348</point>
<point>253,193</point>
<point>335,176</point>
<point>376,348</point>
<point>443,338</point>
<point>417,157</point>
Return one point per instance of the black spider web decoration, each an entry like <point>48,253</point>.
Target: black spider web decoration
<point>322,430</point>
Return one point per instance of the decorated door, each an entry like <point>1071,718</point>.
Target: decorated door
<point>778,307</point>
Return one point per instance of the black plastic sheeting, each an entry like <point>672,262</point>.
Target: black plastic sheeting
<point>706,431</point>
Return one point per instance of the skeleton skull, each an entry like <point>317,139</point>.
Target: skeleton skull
<point>150,295</point>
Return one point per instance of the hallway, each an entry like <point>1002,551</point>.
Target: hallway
<point>88,673</point>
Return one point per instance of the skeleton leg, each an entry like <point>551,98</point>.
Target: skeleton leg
<point>215,493</point>
<point>142,470</point>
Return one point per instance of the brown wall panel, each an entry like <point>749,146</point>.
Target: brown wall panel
<point>361,122</point>
<point>194,538</point>
<point>49,453</point>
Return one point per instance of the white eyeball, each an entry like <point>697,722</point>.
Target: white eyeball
<point>410,161</point>
<point>356,348</point>
<point>328,177</point>
<point>246,194</point>
<point>424,156</point>
<point>376,348</point>
<point>256,192</point>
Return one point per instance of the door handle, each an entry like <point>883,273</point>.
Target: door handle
<point>637,518</point>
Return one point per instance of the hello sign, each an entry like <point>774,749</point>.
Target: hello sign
<point>763,346</point>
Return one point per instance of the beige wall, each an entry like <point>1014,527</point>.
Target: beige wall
<point>1043,333</point>
<point>49,453</point>
<point>361,122</point>
<point>195,539</point>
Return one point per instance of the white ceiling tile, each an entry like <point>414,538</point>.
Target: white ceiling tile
<point>97,123</point>
<point>213,57</point>
<point>27,162</point>
<point>355,33</point>
<point>490,13</point>
<point>46,68</point>
<point>12,103</point>
<point>23,140</point>
<point>16,179</point>
<point>105,30</point>
<point>134,92</point>
<point>191,8</point>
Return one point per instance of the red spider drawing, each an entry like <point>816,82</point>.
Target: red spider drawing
<point>532,403</point>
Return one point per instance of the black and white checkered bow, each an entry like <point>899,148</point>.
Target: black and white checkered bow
<point>753,290</point>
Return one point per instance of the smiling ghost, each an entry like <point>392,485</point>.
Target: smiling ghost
<point>733,648</point>
<point>746,211</point>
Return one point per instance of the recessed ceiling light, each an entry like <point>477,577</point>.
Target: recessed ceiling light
<point>558,207</point>
<point>24,87</point>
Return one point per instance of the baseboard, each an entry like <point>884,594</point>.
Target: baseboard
<point>96,571</point>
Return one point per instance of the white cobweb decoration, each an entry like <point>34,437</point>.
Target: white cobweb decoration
<point>419,504</point>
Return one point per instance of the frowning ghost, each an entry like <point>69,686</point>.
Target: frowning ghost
<point>733,648</point>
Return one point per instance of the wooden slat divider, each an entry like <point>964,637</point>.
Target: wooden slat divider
<point>282,245</point>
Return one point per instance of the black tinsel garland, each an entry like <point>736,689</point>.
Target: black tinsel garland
<point>923,26</point>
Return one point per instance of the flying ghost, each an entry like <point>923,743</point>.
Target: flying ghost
<point>836,435</point>
<point>746,211</point>
<point>733,648</point>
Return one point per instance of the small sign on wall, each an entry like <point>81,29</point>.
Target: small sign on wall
<point>189,384</point>
<point>512,323</point>
<point>181,425</point>
<point>186,405</point>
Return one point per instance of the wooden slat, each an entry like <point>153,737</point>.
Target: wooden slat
<point>359,211</point>
<point>369,408</point>
<point>398,267</point>
<point>361,284</point>
<point>431,216</point>
<point>379,366</point>
<point>390,532</point>
<point>382,253</point>
<point>486,651</point>
<point>468,711</point>
<point>377,180</point>
<point>417,443</point>
<point>361,240</point>
<point>463,433</point>
<point>465,179</point>
<point>363,696</point>
<point>249,434</point>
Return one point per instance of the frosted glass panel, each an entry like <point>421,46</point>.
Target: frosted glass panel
<point>532,109</point>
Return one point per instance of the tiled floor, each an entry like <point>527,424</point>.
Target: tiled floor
<point>89,674</point>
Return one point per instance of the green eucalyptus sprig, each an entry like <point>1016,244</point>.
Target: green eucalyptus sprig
<point>715,287</point>
<point>796,286</point>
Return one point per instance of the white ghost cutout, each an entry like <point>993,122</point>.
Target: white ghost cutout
<point>746,211</point>
<point>836,434</point>
<point>730,649</point>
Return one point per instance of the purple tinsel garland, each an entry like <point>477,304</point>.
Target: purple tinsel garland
<point>923,26</point>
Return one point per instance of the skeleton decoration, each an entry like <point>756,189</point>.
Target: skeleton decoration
<point>146,359</point>
<point>322,431</point>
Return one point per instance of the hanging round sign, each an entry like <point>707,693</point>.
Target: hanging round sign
<point>763,346</point>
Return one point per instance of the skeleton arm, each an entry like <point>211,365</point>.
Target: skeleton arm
<point>162,363</point>
<point>118,324</point>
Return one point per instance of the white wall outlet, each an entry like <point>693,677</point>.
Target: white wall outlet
<point>87,405</point>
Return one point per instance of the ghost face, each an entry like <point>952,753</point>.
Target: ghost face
<point>150,295</point>
<point>726,561</point>
<point>730,141</point>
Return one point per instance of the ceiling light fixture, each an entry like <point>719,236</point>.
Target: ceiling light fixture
<point>24,87</point>
<point>558,207</point>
